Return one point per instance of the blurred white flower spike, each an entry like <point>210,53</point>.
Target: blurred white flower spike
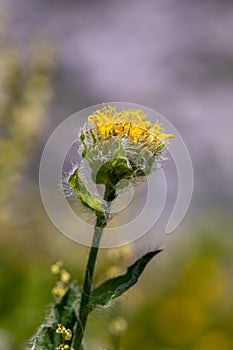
<point>119,145</point>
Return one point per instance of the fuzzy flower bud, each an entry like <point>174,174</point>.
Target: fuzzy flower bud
<point>119,146</point>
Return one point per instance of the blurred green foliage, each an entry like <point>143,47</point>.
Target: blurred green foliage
<point>25,90</point>
<point>188,304</point>
<point>184,301</point>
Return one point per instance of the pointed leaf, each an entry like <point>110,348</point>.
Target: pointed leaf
<point>115,287</point>
<point>159,148</point>
<point>62,312</point>
<point>78,184</point>
<point>44,339</point>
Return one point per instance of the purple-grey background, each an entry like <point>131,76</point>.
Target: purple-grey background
<point>173,56</point>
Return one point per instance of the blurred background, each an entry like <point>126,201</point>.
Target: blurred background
<point>174,56</point>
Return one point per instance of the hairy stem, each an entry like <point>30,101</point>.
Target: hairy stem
<point>86,291</point>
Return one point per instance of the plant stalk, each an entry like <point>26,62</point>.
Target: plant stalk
<point>86,290</point>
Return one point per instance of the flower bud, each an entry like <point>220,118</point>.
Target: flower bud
<point>119,146</point>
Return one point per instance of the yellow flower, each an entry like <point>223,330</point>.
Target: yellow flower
<point>118,145</point>
<point>108,123</point>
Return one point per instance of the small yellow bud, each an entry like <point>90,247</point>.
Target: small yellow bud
<point>58,331</point>
<point>60,328</point>
<point>63,347</point>
<point>65,276</point>
<point>55,268</point>
<point>66,333</point>
<point>59,290</point>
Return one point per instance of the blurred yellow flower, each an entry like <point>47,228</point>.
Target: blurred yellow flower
<point>56,268</point>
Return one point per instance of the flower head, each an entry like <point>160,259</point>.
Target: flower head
<point>131,125</point>
<point>119,145</point>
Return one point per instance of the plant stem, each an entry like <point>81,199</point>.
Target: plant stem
<point>86,290</point>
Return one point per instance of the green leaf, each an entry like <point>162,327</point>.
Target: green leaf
<point>78,184</point>
<point>113,171</point>
<point>44,339</point>
<point>110,173</point>
<point>119,152</point>
<point>115,287</point>
<point>64,312</point>
<point>149,159</point>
